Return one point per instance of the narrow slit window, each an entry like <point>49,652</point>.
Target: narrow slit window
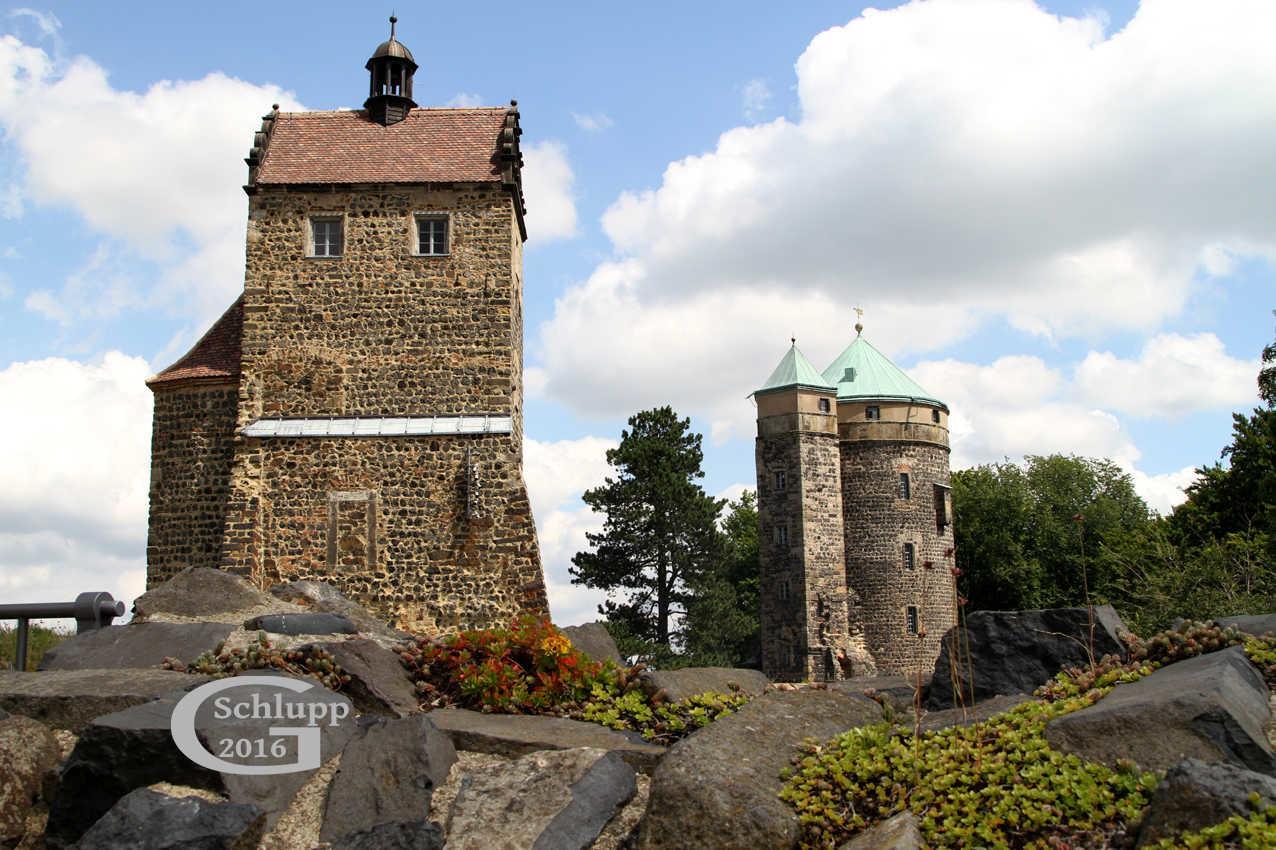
<point>431,235</point>
<point>905,489</point>
<point>325,237</point>
<point>912,619</point>
<point>910,556</point>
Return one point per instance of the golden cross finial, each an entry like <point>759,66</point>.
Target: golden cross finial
<point>859,321</point>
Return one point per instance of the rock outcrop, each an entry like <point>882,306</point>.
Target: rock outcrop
<point>1194,795</point>
<point>29,754</point>
<point>594,640</point>
<point>70,699</point>
<point>149,820</point>
<point>688,681</point>
<point>135,645</point>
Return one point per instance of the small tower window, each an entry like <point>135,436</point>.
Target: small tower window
<point>912,619</point>
<point>781,480</point>
<point>784,590</point>
<point>431,235</point>
<point>824,405</point>
<point>873,413</point>
<point>326,236</point>
<point>905,489</point>
<point>910,556</point>
<point>943,514</point>
<point>782,535</point>
<point>848,374</point>
<point>934,416</point>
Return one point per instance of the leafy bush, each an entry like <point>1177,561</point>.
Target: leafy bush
<point>992,784</point>
<point>662,723</point>
<point>39,641</point>
<point>1236,833</point>
<point>219,663</point>
<point>530,668</point>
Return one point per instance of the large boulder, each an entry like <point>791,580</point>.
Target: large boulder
<point>900,832</point>
<point>1194,795</point>
<point>149,820</point>
<point>687,682</point>
<point>302,623</point>
<point>1013,652</point>
<point>1212,707</point>
<point>514,735</point>
<point>388,772</point>
<point>200,593</point>
<point>323,597</point>
<point>70,699</point>
<point>1251,624</point>
<point>135,645</point>
<point>895,692</point>
<point>409,835</point>
<point>549,800</point>
<point>28,755</point>
<point>379,683</point>
<point>718,789</point>
<point>594,640</point>
<point>134,748</point>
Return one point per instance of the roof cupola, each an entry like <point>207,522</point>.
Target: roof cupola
<point>390,87</point>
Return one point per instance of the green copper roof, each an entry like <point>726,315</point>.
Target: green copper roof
<point>863,372</point>
<point>795,371</point>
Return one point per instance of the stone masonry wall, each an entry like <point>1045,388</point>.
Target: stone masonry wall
<point>382,332</point>
<point>191,451</point>
<point>877,525</point>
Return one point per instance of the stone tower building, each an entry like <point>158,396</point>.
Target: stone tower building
<point>856,539</point>
<point>356,415</point>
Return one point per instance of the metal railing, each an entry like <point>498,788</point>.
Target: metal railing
<point>90,610</point>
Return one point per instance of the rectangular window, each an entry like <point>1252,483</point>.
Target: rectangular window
<point>824,405</point>
<point>912,619</point>
<point>326,236</point>
<point>934,416</point>
<point>942,513</point>
<point>431,235</point>
<point>781,480</point>
<point>784,590</point>
<point>910,556</point>
<point>781,535</point>
<point>873,413</point>
<point>905,490</point>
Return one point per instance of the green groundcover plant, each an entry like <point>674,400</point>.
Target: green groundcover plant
<point>1254,832</point>
<point>313,662</point>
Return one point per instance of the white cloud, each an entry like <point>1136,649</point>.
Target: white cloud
<point>1164,492</point>
<point>1174,375</point>
<point>465,100</point>
<point>160,170</point>
<point>73,477</point>
<point>548,183</point>
<point>981,159</point>
<point>593,122</point>
<point>755,96</point>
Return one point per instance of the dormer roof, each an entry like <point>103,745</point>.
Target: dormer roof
<point>795,372</point>
<point>862,373</point>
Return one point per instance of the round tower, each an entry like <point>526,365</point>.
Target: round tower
<point>896,509</point>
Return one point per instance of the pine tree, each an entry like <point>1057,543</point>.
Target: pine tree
<point>660,531</point>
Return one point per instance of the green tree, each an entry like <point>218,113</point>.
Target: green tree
<point>1029,535</point>
<point>723,624</point>
<point>1267,374</point>
<point>660,531</point>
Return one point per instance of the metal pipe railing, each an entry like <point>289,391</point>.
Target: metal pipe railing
<point>91,610</point>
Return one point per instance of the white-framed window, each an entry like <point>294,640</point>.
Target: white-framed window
<point>430,235</point>
<point>325,236</point>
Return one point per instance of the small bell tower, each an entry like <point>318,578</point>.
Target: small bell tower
<point>390,86</point>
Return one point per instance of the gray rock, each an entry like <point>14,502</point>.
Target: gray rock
<point>719,787</point>
<point>134,748</point>
<point>556,800</point>
<point>936,720</point>
<point>594,640</point>
<point>1211,708</point>
<point>896,692</point>
<point>202,593</point>
<point>1014,652</point>
<point>900,832</point>
<point>379,683</point>
<point>513,735</point>
<point>135,645</point>
<point>415,835</point>
<point>29,754</point>
<point>1194,795</point>
<point>302,624</point>
<point>1251,624</point>
<point>689,681</point>
<point>388,772</point>
<point>70,699</point>
<point>323,597</point>
<point>148,820</point>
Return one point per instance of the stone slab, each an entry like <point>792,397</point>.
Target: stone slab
<point>689,681</point>
<point>900,832</point>
<point>71,699</point>
<point>594,640</point>
<point>514,735</point>
<point>1194,795</point>
<point>379,683</point>
<point>148,820</point>
<point>136,645</point>
<point>201,593</point>
<point>1251,624</point>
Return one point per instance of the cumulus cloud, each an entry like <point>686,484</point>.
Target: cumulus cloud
<point>557,474</point>
<point>1173,375</point>
<point>160,171</point>
<point>74,477</point>
<point>593,122</point>
<point>548,183</point>
<point>973,160</point>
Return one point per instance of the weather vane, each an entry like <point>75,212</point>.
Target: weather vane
<point>859,321</point>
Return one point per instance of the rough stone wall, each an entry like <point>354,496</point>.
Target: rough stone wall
<point>191,451</point>
<point>382,332</point>
<point>877,525</point>
<point>803,597</point>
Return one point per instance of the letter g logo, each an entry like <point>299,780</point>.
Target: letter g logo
<point>183,728</point>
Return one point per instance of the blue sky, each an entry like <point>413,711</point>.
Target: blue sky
<point>1058,218</point>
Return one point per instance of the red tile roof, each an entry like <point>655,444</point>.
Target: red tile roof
<point>430,145</point>
<point>216,355</point>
